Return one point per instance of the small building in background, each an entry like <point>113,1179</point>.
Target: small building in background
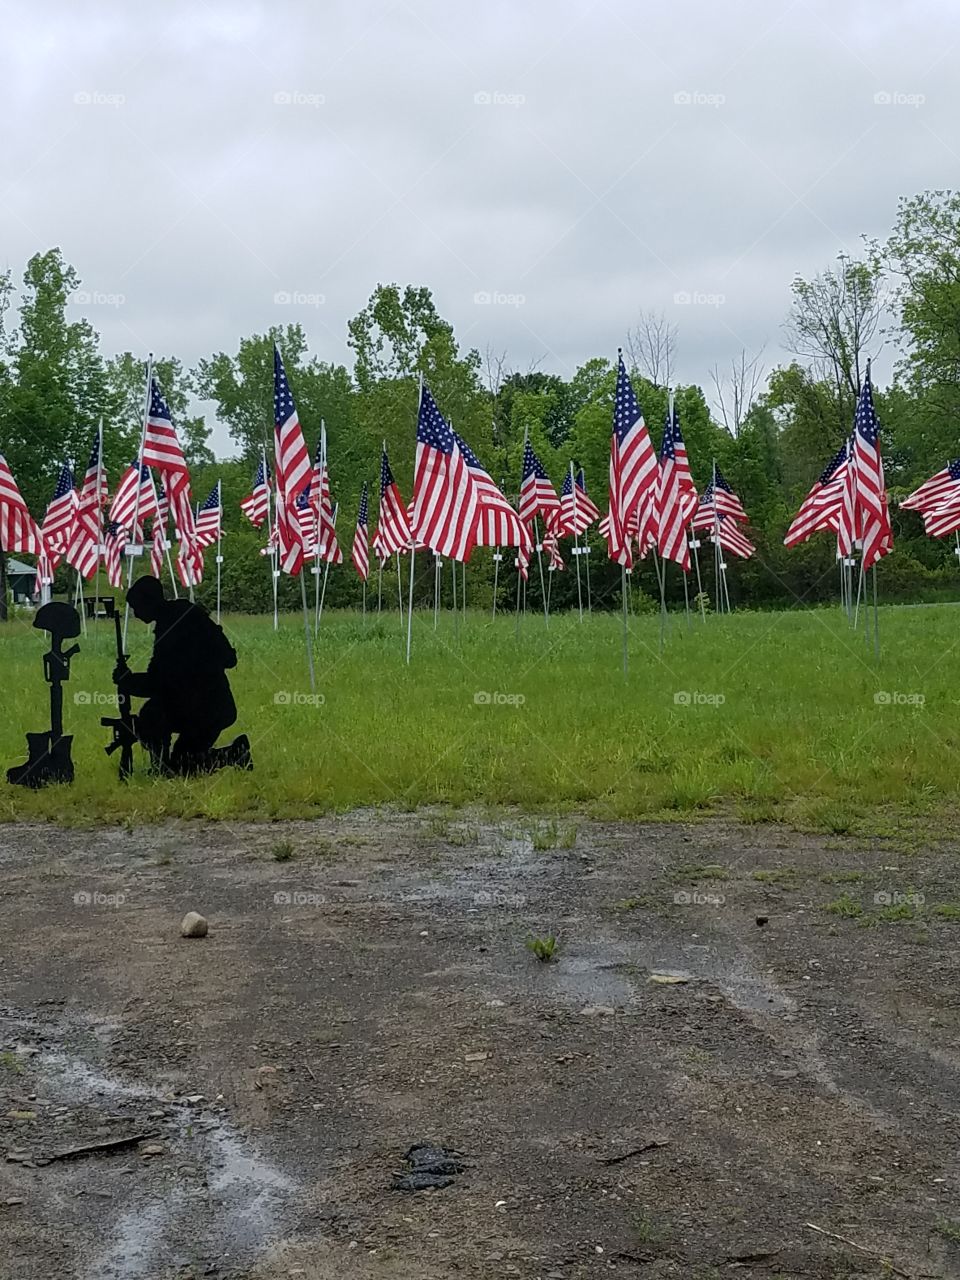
<point>21,579</point>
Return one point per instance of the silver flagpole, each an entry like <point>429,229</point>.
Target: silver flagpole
<point>623,593</point>
<point>543,589</point>
<point>399,591</point>
<point>586,552</point>
<point>379,585</point>
<point>326,564</point>
<point>306,628</point>
<point>437,566</point>
<point>410,602</point>
<point>219,542</point>
<point>456,612</point>
<point>96,585</point>
<point>576,538</point>
<point>496,574</point>
<point>136,506</point>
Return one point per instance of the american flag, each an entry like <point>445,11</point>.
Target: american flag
<point>360,555</point>
<point>537,494</point>
<point>445,500</point>
<point>871,494</point>
<point>127,504</point>
<point>113,543</point>
<point>293,469</point>
<point>327,548</point>
<point>393,524</point>
<point>58,521</point>
<point>577,510</point>
<point>849,516</point>
<point>209,518</point>
<point>820,509</point>
<point>731,537</point>
<point>633,474</point>
<point>727,502</point>
<point>942,520</point>
<point>256,507</point>
<point>18,529</point>
<point>551,544</point>
<point>306,518</point>
<point>161,447</point>
<point>676,495</point>
<point>940,489</point>
<point>498,525</point>
<point>83,550</point>
<point>158,532</point>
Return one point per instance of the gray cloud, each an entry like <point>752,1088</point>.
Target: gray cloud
<point>576,162</point>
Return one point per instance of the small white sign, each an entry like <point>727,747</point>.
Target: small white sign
<point>131,549</point>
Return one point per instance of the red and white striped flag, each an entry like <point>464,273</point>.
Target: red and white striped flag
<point>127,504</point>
<point>731,537</point>
<point>393,523</point>
<point>537,494</point>
<point>676,495</point>
<point>57,525</point>
<point>256,507</point>
<point>209,523</point>
<point>633,475</point>
<point>498,525</point>
<point>18,529</point>
<point>292,470</point>
<point>444,509</point>
<point>871,494</point>
<point>940,489</point>
<point>360,555</point>
<point>158,532</point>
<point>820,509</point>
<point>114,540</point>
<point>83,549</point>
<point>577,510</point>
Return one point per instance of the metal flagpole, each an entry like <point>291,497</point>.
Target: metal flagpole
<point>586,552</point>
<point>456,613</point>
<point>271,549</point>
<point>463,592</point>
<point>306,627</point>
<point>379,585</point>
<point>166,540</point>
<point>686,597</point>
<point>78,602</point>
<point>694,547</point>
<point>410,603</point>
<point>136,507</point>
<point>437,566</point>
<point>517,630</point>
<point>399,591</point>
<point>497,557</point>
<point>876,617</point>
<point>219,542</point>
<point>326,563</point>
<point>543,590</point>
<point>96,585</point>
<point>623,592</point>
<point>576,538</point>
<point>856,612</point>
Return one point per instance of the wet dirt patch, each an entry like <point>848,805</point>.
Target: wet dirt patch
<point>715,1061</point>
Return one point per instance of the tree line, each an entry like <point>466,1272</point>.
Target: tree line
<point>771,432</point>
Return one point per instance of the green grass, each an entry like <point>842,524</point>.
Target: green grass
<point>798,737</point>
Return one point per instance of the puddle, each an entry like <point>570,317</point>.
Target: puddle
<point>235,1209</point>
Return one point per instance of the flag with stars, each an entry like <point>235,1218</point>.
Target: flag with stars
<point>393,524</point>
<point>676,495</point>
<point>577,511</point>
<point>444,510</point>
<point>18,529</point>
<point>498,525</point>
<point>128,504</point>
<point>256,507</point>
<point>209,518</point>
<point>820,509</point>
<point>58,521</point>
<point>83,550</point>
<point>876,532</point>
<point>292,469</point>
<point>940,489</point>
<point>360,555</point>
<point>633,474</point>
<point>537,494</point>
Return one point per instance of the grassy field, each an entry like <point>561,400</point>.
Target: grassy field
<point>784,716</point>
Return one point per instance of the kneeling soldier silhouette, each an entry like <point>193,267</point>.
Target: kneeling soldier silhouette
<point>185,684</point>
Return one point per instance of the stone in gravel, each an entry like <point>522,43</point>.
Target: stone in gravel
<point>597,1011</point>
<point>193,925</point>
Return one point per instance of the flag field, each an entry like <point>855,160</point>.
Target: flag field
<point>765,716</point>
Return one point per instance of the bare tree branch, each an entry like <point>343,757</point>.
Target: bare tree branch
<point>736,391</point>
<point>652,347</point>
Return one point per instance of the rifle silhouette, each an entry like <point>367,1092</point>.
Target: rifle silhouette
<point>49,752</point>
<point>123,726</point>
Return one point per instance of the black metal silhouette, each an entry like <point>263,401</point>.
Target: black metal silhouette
<point>123,724</point>
<point>188,696</point>
<point>49,753</point>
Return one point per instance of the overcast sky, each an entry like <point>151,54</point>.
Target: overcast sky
<point>548,169</point>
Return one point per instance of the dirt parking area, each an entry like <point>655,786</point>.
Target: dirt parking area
<point>741,1060</point>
